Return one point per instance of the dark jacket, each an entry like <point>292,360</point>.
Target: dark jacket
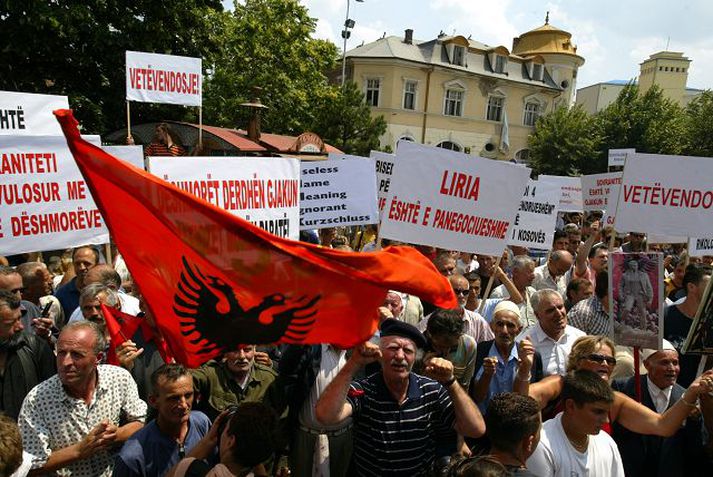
<point>29,361</point>
<point>643,455</point>
<point>298,370</point>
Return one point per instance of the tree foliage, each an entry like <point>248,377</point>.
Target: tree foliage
<point>564,141</point>
<point>77,49</point>
<point>699,126</point>
<point>344,120</point>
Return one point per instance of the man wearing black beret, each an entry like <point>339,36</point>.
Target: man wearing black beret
<point>402,421</point>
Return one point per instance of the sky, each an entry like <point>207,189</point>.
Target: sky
<point>612,36</point>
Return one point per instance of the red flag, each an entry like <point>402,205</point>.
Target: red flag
<point>213,280</point>
<point>121,328</point>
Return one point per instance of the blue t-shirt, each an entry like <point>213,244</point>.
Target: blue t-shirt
<point>151,453</point>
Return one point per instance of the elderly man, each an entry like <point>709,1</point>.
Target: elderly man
<point>402,421</point>
<point>25,360</point>
<point>552,337</point>
<point>11,281</point>
<point>552,275</point>
<point>523,274</point>
<point>37,289</point>
<point>153,450</point>
<point>83,258</point>
<point>237,378</point>
<point>70,422</point>
<point>108,277</point>
<point>653,455</point>
<point>404,307</point>
<point>500,364</point>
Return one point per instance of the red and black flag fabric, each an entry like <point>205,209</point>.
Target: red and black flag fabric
<point>122,327</point>
<point>213,280</point>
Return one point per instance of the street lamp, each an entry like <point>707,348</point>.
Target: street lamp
<point>348,23</point>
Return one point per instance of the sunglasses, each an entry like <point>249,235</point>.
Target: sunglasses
<point>461,291</point>
<point>600,358</point>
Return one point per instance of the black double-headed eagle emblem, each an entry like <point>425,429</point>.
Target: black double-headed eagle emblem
<point>212,318</point>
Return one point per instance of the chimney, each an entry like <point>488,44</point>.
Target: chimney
<point>255,107</point>
<point>408,36</point>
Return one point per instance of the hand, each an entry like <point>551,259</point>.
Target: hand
<point>464,450</point>
<point>283,472</point>
<point>702,385</point>
<point>99,438</point>
<point>490,365</point>
<point>263,358</point>
<point>365,353</point>
<point>126,353</point>
<point>439,369</point>
<point>130,140</point>
<point>43,327</point>
<point>213,433</point>
<point>526,354</point>
<point>384,313</point>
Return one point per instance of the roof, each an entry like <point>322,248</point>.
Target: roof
<point>545,40</point>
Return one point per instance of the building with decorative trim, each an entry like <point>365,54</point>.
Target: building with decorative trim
<point>460,94</point>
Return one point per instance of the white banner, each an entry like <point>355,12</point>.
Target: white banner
<point>337,193</point>
<point>617,157</point>
<point>534,225</point>
<point>44,202</point>
<point>600,192</point>
<point>451,200</point>
<point>657,238</point>
<point>667,195</point>
<point>700,246</point>
<point>27,114</point>
<point>134,155</point>
<point>571,191</point>
<point>384,170</point>
<point>264,191</point>
<point>154,78</point>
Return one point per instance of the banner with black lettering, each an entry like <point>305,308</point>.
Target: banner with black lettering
<point>452,200</point>
<point>570,191</point>
<point>534,224</point>
<point>384,170</point>
<point>669,195</point>
<point>264,191</point>
<point>155,78</point>
<point>337,193</point>
<point>27,114</point>
<point>44,201</point>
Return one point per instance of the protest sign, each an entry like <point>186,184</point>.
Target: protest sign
<point>637,298</point>
<point>700,246</point>
<point>384,169</point>
<point>134,155</point>
<point>154,78</point>
<point>600,192</point>
<point>534,224</point>
<point>617,157</point>
<point>44,201</point>
<point>451,200</point>
<point>570,191</point>
<point>27,114</point>
<point>337,193</point>
<point>666,195</point>
<point>264,191</point>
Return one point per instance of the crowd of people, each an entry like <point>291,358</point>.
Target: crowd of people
<point>522,378</point>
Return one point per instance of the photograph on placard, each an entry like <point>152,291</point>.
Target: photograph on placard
<point>700,336</point>
<point>635,295</point>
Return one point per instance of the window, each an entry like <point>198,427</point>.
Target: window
<point>495,108</point>
<point>522,156</point>
<point>500,63</point>
<point>532,112</point>
<point>537,72</point>
<point>450,145</point>
<point>410,95</point>
<point>454,103</point>
<point>373,86</point>
<point>458,55</point>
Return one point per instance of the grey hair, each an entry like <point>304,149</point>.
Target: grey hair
<point>90,292</point>
<point>520,262</point>
<point>100,342</point>
<point>539,295</point>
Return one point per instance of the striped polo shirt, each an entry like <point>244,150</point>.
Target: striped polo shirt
<point>400,439</point>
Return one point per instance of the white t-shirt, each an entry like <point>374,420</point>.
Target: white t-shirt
<point>555,455</point>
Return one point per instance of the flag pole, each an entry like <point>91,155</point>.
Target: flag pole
<point>490,284</point>
<point>200,127</point>
<point>128,119</point>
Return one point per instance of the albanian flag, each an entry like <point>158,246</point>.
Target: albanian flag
<point>122,327</point>
<point>213,280</point>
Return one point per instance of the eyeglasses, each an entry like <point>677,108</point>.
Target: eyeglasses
<point>461,291</point>
<point>600,358</point>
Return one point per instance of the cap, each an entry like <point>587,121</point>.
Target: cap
<point>647,352</point>
<point>392,327</point>
<point>507,305</point>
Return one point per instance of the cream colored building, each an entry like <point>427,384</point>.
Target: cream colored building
<point>457,93</point>
<point>667,69</point>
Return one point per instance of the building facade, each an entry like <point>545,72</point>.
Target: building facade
<point>463,95</point>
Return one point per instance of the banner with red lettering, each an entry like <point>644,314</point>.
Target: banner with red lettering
<point>264,191</point>
<point>452,200</point>
<point>669,195</point>
<point>44,201</point>
<point>600,192</point>
<point>155,78</point>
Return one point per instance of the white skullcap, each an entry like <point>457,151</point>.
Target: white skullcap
<point>507,305</point>
<point>647,352</point>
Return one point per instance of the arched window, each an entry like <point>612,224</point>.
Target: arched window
<point>522,156</point>
<point>450,145</point>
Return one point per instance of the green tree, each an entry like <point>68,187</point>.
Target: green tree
<point>699,126</point>
<point>268,44</point>
<point>77,49</point>
<point>564,141</point>
<point>344,120</point>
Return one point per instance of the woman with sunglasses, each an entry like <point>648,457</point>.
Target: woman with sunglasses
<point>596,353</point>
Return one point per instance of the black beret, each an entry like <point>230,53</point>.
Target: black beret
<point>392,327</point>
